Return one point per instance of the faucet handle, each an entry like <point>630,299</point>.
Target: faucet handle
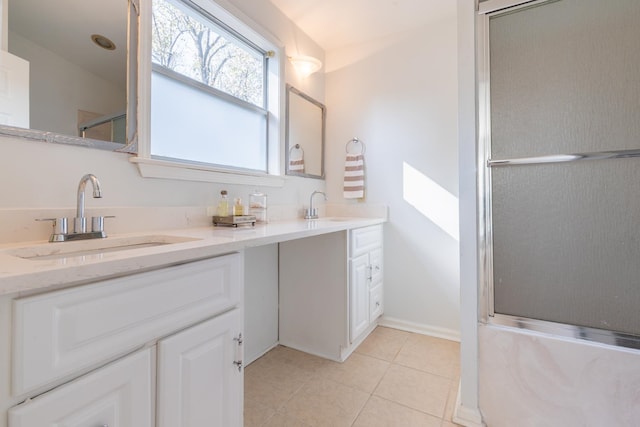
<point>97,223</point>
<point>60,225</point>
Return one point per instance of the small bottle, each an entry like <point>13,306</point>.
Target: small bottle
<point>237,207</point>
<point>223,204</point>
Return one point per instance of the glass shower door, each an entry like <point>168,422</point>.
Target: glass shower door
<point>562,164</point>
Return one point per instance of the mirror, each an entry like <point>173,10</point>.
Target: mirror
<point>305,135</point>
<point>65,84</point>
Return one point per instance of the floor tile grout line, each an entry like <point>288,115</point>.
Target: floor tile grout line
<point>448,377</point>
<point>355,420</point>
<point>408,407</point>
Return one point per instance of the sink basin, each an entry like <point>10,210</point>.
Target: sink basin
<point>52,251</point>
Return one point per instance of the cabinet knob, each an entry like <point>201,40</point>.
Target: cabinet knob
<point>238,363</point>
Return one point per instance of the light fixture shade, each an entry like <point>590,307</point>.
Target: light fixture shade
<point>305,65</point>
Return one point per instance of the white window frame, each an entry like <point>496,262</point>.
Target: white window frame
<point>175,169</point>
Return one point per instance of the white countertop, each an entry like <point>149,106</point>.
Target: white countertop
<point>21,275</point>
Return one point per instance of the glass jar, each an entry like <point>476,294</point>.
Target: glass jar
<point>258,206</point>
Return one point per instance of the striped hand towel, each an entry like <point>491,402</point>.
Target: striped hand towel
<point>296,165</point>
<point>354,176</point>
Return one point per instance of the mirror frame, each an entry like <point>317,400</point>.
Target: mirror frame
<point>132,102</point>
<point>323,109</point>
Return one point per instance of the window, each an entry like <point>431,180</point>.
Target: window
<point>210,89</point>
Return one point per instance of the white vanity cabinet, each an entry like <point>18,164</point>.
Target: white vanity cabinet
<point>91,355</point>
<point>331,291</point>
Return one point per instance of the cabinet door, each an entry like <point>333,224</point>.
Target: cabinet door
<point>358,295</point>
<point>199,379</point>
<point>119,394</point>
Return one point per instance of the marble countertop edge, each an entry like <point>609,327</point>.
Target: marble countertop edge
<point>22,277</point>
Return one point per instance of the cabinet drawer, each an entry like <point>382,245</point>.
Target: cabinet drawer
<point>364,239</point>
<point>119,394</point>
<point>376,302</point>
<point>61,333</point>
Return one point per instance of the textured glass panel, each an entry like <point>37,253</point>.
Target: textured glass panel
<point>566,243</point>
<point>210,130</point>
<point>565,78</point>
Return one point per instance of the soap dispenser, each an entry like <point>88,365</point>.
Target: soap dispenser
<point>223,204</point>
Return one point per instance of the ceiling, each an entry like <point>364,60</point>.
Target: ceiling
<point>336,24</point>
<point>65,27</point>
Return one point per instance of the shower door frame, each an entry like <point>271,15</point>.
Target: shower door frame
<point>486,10</point>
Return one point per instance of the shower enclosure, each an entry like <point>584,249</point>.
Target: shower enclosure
<point>559,161</point>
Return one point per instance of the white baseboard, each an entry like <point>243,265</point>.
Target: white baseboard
<point>468,417</point>
<point>419,328</point>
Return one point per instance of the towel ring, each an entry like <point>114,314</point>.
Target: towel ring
<point>296,147</point>
<point>355,141</point>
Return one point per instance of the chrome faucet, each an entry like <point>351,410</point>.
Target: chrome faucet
<point>312,213</point>
<point>80,222</point>
<point>60,229</point>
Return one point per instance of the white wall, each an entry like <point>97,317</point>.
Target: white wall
<point>401,100</point>
<point>260,300</point>
<point>41,176</point>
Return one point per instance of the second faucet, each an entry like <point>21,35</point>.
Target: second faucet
<point>312,213</point>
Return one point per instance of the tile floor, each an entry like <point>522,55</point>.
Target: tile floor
<point>394,379</point>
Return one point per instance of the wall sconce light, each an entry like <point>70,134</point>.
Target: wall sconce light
<point>305,65</point>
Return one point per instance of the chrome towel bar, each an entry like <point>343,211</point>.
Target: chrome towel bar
<point>563,158</point>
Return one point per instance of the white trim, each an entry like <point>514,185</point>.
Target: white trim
<point>468,417</point>
<point>420,328</point>
<point>144,79</point>
<point>153,168</point>
<point>238,21</point>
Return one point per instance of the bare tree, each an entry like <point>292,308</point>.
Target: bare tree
<point>193,47</point>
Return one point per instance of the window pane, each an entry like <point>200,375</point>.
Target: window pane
<point>186,42</point>
<point>210,130</point>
